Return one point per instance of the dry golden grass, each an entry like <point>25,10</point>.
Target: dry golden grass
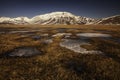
<point>59,63</point>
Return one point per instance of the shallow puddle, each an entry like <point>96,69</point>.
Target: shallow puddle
<point>88,35</point>
<point>74,45</point>
<point>62,34</point>
<point>24,31</point>
<point>24,52</point>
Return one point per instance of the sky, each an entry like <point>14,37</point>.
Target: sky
<point>87,8</point>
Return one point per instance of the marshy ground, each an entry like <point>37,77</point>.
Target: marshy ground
<point>59,52</point>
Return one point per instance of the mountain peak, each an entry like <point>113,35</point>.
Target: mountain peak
<point>59,18</point>
<point>55,14</point>
<point>61,13</point>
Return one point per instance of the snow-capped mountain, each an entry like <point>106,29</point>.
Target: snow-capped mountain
<point>109,20</point>
<point>60,18</point>
<point>18,20</point>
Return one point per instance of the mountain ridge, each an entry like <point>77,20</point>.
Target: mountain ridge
<point>65,18</point>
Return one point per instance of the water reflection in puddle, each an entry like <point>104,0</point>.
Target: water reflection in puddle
<point>24,52</point>
<point>75,45</point>
<point>62,34</point>
<point>89,35</point>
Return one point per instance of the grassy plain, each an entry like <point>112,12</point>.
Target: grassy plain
<point>58,63</point>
